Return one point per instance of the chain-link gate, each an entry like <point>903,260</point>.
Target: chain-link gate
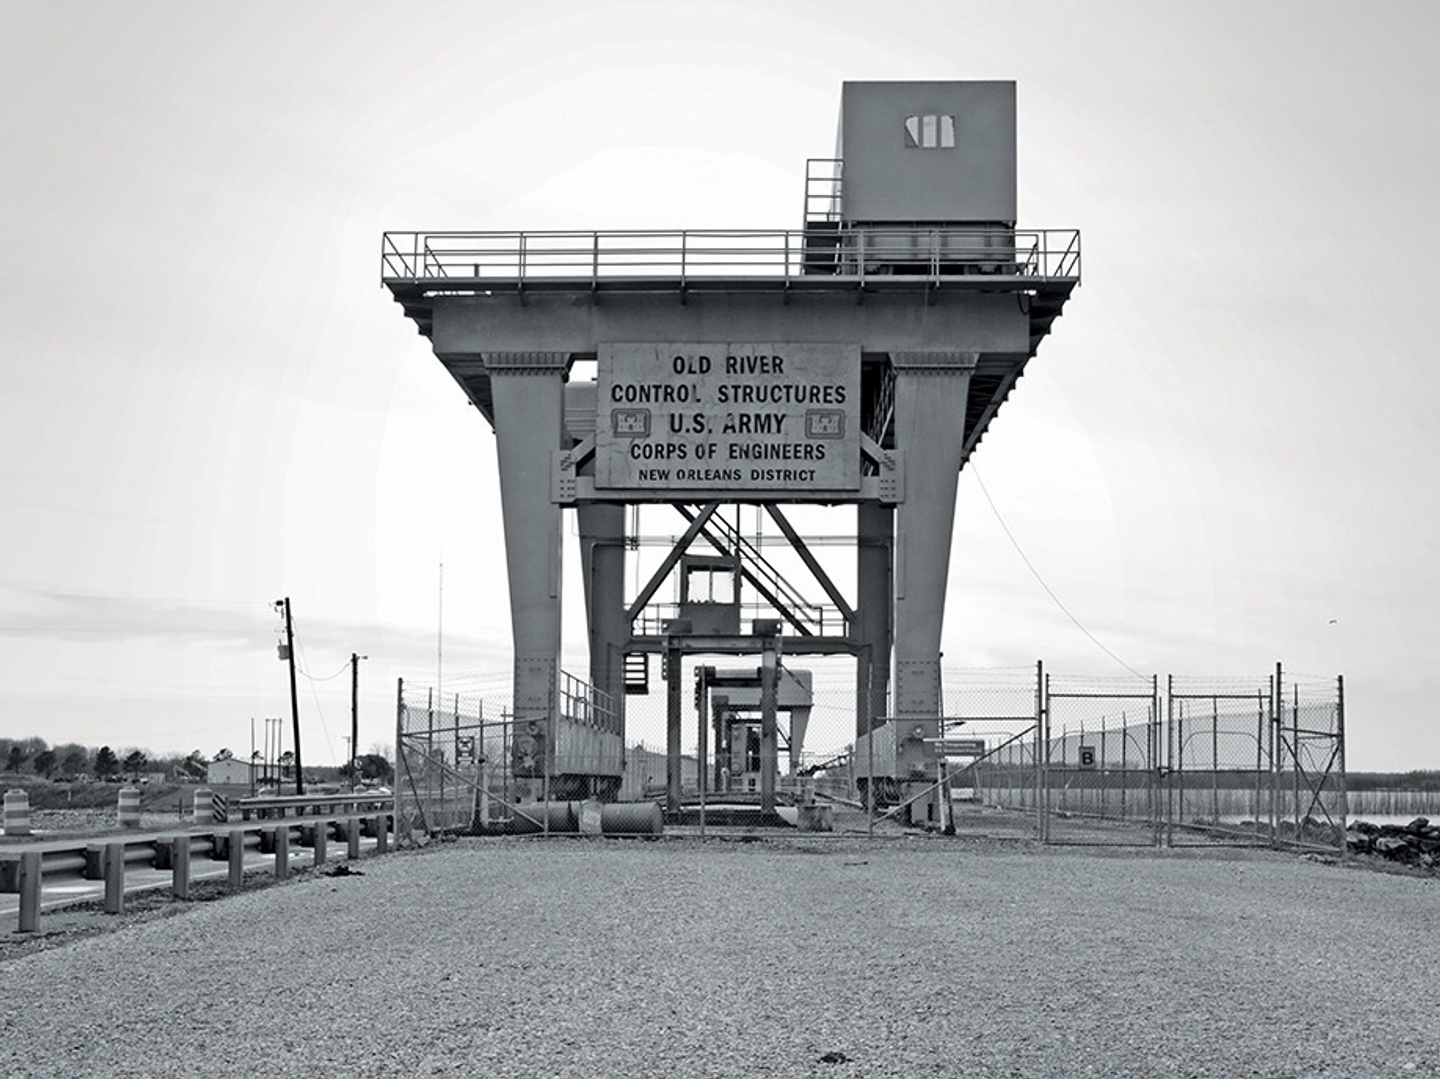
<point>1311,800</point>
<point>467,764</point>
<point>1255,762</point>
<point>1219,761</point>
<point>1098,770</point>
<point>994,716</point>
<point>441,749</point>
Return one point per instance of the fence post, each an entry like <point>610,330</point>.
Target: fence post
<point>1340,757</point>
<point>237,859</point>
<point>1042,706</point>
<point>114,878</point>
<point>30,877</point>
<point>1154,717</point>
<point>180,867</point>
<point>1169,791</point>
<point>1276,747</point>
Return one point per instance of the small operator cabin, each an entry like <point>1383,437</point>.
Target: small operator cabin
<point>922,182</point>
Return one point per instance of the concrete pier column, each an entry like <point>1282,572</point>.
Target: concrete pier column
<point>602,557</point>
<point>931,393</point>
<point>769,741</point>
<point>875,538</point>
<point>528,390</point>
<point>673,696</point>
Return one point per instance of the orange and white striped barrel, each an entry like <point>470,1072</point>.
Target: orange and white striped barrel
<point>129,807</point>
<point>17,813</point>
<point>204,805</point>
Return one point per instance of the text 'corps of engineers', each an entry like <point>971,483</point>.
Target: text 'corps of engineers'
<point>728,417</point>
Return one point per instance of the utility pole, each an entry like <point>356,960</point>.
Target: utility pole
<point>355,715</point>
<point>294,696</point>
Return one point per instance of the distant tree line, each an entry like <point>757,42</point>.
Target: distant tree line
<point>71,761</point>
<point>1421,780</point>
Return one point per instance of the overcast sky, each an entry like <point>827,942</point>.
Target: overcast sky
<point>1223,457</point>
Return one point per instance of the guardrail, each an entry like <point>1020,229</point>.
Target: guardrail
<point>289,806</point>
<point>848,251</point>
<point>24,869</point>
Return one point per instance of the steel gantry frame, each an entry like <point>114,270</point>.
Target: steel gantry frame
<point>931,318</point>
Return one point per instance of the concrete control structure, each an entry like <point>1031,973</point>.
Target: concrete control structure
<point>856,361</point>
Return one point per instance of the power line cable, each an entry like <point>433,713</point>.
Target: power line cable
<point>1036,574</point>
<point>343,668</point>
<point>319,710</point>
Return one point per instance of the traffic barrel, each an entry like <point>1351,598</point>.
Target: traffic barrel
<point>129,807</point>
<point>204,803</point>
<point>17,813</point>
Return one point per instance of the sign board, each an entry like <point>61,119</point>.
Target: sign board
<point>728,417</point>
<point>1087,756</point>
<point>959,747</point>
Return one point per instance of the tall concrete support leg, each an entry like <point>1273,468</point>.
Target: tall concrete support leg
<point>602,556</point>
<point>875,537</point>
<point>769,743</point>
<point>528,392</point>
<point>672,729</point>
<point>930,398</point>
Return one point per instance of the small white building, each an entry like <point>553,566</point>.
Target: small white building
<point>232,771</point>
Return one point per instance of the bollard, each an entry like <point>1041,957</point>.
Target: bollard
<point>129,807</point>
<point>204,805</point>
<point>114,878</point>
<point>282,851</point>
<point>237,859</point>
<point>322,833</point>
<point>30,874</point>
<point>180,867</point>
<point>352,838</point>
<point>17,813</point>
<point>382,834</point>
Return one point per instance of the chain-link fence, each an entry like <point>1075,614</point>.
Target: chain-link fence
<point>1065,759</point>
<point>467,764</point>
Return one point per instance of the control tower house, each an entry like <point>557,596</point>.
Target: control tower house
<point>856,361</point>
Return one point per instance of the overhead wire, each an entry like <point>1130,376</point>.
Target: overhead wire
<point>1041,580</point>
<point>319,709</point>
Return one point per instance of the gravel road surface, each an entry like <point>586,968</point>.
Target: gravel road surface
<point>833,957</point>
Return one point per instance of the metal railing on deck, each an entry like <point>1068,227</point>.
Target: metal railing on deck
<point>679,256</point>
